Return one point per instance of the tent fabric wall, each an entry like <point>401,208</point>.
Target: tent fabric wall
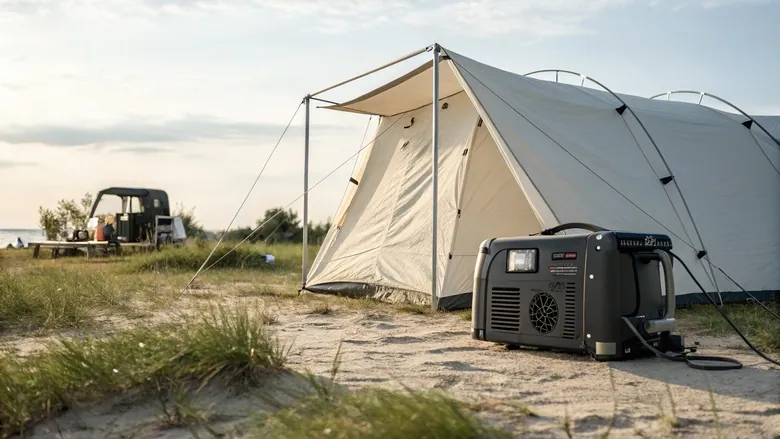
<point>385,236</point>
<point>491,205</point>
<point>549,153</point>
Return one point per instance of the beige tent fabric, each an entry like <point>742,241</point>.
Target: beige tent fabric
<point>492,206</point>
<point>409,92</point>
<point>385,237</point>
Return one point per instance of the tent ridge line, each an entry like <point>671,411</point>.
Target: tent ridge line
<point>660,154</point>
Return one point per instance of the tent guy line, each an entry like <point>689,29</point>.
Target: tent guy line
<point>342,197</point>
<point>285,207</point>
<point>221,238</point>
<point>354,164</point>
<point>712,278</point>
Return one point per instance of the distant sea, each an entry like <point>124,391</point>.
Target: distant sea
<point>8,236</point>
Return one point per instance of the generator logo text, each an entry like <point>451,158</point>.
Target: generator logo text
<point>648,241</point>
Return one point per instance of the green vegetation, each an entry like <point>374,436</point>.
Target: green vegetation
<point>756,323</point>
<point>378,413</point>
<point>68,214</point>
<point>230,344</point>
<point>191,225</point>
<point>57,297</point>
<point>279,226</point>
<point>246,256</point>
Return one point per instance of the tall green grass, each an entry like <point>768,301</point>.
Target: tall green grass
<point>57,297</point>
<point>246,256</point>
<point>231,344</point>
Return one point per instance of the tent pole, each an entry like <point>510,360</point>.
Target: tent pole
<point>435,172</point>
<point>355,78</point>
<point>305,247</point>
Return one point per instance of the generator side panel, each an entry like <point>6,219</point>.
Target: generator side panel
<point>535,309</point>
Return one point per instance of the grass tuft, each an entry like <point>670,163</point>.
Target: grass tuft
<point>57,297</point>
<point>230,344</point>
<point>377,413</point>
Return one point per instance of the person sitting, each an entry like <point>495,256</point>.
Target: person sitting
<point>19,243</point>
<point>109,233</point>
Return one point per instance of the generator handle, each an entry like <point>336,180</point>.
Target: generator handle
<point>671,302</point>
<point>667,323</point>
<point>567,226</point>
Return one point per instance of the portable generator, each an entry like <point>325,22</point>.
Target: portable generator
<point>577,293</point>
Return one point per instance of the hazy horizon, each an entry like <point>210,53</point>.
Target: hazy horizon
<point>191,97</point>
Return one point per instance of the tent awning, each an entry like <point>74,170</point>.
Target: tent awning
<point>406,93</point>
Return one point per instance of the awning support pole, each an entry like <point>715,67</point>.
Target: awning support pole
<point>382,67</point>
<point>435,172</point>
<point>305,247</point>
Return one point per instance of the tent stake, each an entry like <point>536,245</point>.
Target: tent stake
<point>305,247</point>
<point>435,171</point>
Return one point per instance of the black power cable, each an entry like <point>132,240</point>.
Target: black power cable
<point>690,360</point>
<point>723,313</point>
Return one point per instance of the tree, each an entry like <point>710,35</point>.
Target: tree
<point>280,226</point>
<point>317,232</point>
<point>191,225</point>
<point>68,215</point>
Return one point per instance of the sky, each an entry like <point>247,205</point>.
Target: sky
<point>192,96</point>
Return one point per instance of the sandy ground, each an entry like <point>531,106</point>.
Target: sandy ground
<point>436,352</point>
<point>425,352</point>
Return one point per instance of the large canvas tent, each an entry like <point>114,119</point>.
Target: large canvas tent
<point>517,155</point>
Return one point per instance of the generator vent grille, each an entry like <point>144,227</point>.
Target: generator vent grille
<point>543,312</point>
<point>505,309</point>
<point>570,310</point>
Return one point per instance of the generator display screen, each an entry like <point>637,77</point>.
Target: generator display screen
<point>522,261</point>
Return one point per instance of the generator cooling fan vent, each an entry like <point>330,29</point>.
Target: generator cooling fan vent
<point>543,312</point>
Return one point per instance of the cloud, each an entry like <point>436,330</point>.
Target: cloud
<point>5,164</point>
<point>478,18</point>
<point>189,129</point>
